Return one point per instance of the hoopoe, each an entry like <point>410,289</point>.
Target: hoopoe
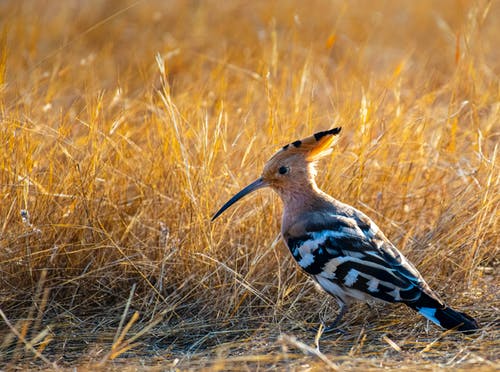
<point>339,246</point>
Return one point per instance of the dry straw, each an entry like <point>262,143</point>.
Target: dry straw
<point>124,127</point>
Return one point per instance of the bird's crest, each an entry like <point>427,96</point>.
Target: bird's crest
<point>314,147</point>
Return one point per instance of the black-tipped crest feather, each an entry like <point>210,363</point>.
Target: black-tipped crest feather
<point>333,131</point>
<point>317,137</point>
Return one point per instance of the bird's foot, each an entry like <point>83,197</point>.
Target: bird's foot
<point>324,329</point>
<point>332,328</point>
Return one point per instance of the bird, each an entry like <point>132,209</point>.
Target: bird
<point>339,246</point>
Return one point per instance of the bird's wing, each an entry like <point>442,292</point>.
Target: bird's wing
<point>351,253</point>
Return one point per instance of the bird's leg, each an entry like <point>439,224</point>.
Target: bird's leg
<point>333,325</point>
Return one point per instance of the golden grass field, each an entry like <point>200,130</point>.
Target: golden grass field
<point>125,125</point>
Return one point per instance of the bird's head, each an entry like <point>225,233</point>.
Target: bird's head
<point>291,168</point>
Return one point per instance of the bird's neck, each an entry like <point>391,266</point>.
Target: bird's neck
<point>301,198</point>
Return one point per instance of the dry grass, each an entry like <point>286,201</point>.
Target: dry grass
<point>126,124</point>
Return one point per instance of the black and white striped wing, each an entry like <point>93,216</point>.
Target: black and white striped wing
<point>350,258</point>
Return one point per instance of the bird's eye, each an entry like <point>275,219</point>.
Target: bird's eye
<point>283,170</point>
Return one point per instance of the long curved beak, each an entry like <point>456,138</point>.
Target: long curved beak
<point>257,184</point>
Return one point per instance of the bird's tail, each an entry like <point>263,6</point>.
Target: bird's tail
<point>443,315</point>
<point>449,318</point>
